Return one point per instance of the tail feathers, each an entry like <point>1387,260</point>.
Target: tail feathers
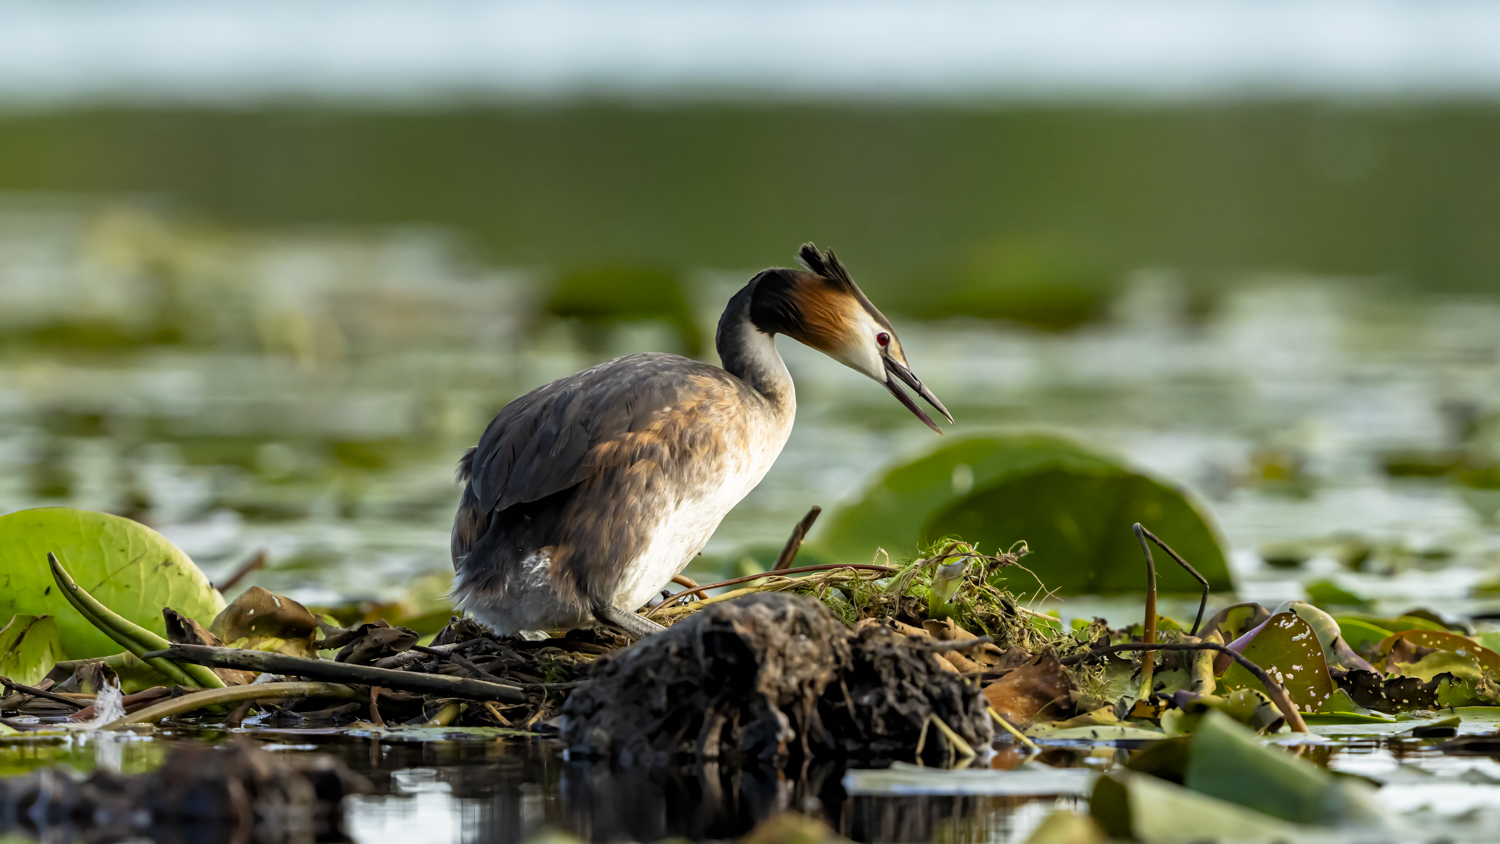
<point>466,465</point>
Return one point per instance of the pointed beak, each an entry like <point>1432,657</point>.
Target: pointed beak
<point>895,369</point>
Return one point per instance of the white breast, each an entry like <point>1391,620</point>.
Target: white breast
<point>685,529</point>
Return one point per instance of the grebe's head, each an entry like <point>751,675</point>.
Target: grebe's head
<point>823,308</point>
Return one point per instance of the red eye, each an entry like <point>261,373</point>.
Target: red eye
<point>883,339</point>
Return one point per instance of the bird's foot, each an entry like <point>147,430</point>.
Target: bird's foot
<point>634,625</point>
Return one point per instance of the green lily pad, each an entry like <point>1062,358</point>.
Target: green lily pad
<point>129,567</point>
<point>1288,650</point>
<point>1230,763</point>
<point>1073,505</point>
<point>1358,632</point>
<point>1341,705</point>
<point>1390,624</point>
<point>1235,620</point>
<point>29,647</point>
<point>1477,719</point>
<point>1325,726</point>
<point>1326,593</point>
<point>1140,807</point>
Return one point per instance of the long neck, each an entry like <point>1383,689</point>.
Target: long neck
<point>749,354</point>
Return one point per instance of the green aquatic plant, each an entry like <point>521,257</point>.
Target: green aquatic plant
<point>1070,501</point>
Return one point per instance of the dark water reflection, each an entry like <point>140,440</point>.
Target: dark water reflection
<point>468,788</point>
<point>509,790</point>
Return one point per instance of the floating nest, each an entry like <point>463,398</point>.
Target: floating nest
<point>770,679</point>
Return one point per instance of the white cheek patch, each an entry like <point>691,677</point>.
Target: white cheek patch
<point>863,353</point>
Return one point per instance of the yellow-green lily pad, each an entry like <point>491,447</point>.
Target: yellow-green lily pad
<point>29,647</point>
<point>129,567</point>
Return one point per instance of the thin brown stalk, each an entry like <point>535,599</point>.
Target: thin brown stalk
<point>1148,668</point>
<point>231,694</point>
<point>1277,692</point>
<point>256,561</point>
<point>34,692</point>
<point>794,542</point>
<point>375,707</point>
<point>343,672</point>
<point>676,596</point>
<point>237,717</point>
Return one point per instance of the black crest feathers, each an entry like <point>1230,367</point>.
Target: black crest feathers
<point>825,264</point>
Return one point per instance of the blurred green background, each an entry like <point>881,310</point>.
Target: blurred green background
<point>265,275</point>
<point>982,210</point>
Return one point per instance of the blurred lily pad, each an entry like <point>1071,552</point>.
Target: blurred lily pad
<point>1231,764</point>
<point>29,647</point>
<point>129,567</point>
<point>602,297</point>
<point>1031,280</point>
<point>1072,504</point>
<point>1362,629</point>
<point>1140,807</point>
<point>1358,632</point>
<point>1326,593</point>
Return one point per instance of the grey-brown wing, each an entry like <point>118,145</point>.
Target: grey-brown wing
<point>538,445</point>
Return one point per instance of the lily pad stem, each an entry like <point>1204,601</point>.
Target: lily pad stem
<point>129,635</point>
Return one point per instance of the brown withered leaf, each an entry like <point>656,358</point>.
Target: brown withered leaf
<point>182,630</point>
<point>259,616</point>
<point>988,655</point>
<point>370,641</point>
<point>943,663</point>
<point>962,662</point>
<point>1041,688</point>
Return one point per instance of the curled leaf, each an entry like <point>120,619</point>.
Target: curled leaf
<point>262,620</point>
<point>182,630</point>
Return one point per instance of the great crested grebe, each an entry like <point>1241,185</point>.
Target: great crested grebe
<point>588,495</point>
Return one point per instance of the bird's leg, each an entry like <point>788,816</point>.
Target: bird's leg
<point>634,625</point>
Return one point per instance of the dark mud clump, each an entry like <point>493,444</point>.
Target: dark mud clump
<point>770,679</point>
<point>232,793</point>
